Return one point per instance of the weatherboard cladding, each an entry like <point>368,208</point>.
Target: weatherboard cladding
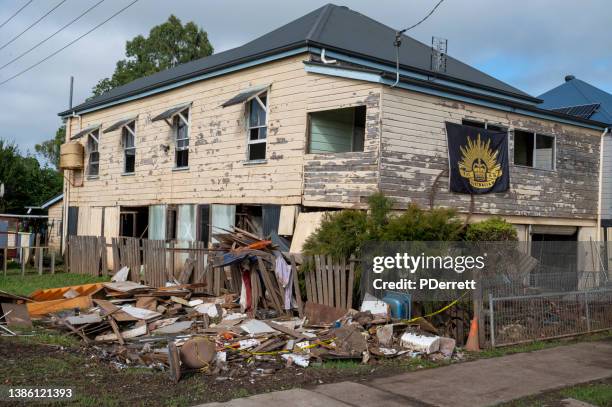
<point>333,27</point>
<point>414,154</point>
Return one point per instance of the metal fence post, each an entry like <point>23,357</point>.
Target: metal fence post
<point>40,261</point>
<point>5,261</point>
<point>587,311</point>
<point>52,261</point>
<point>23,251</point>
<point>492,314</point>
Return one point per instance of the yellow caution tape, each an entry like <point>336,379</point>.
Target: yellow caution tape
<point>278,352</point>
<point>447,306</point>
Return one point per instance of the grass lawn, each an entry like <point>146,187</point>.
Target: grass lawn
<point>17,284</point>
<point>597,393</point>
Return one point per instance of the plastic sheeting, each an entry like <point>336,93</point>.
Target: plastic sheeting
<point>186,223</point>
<point>157,222</point>
<point>223,218</point>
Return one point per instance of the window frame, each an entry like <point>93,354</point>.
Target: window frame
<point>485,125</point>
<point>535,135</point>
<point>175,129</point>
<point>90,162</point>
<point>264,141</point>
<point>126,148</point>
<point>354,108</point>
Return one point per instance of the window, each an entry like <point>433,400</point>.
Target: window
<point>180,124</point>
<point>534,150</point>
<point>257,127</point>
<point>128,134</point>
<point>93,168</point>
<point>171,219</point>
<point>337,131</point>
<point>483,125</point>
<point>127,224</point>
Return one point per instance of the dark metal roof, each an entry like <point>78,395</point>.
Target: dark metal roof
<point>171,112</point>
<point>333,27</point>
<point>494,99</point>
<point>575,92</point>
<point>85,131</point>
<point>244,96</point>
<point>119,124</point>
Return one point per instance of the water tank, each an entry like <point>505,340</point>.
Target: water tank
<point>71,156</point>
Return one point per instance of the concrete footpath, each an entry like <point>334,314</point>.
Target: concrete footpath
<point>482,382</point>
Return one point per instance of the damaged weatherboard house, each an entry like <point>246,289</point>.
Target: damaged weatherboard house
<point>313,117</point>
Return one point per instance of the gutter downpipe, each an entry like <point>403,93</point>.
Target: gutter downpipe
<point>601,151</point>
<point>325,60</point>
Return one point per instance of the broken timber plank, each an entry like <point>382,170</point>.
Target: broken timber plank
<point>296,286</point>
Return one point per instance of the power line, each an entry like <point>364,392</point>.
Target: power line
<point>69,44</point>
<point>398,42</point>
<point>17,12</point>
<point>52,35</point>
<point>33,24</point>
<point>423,19</point>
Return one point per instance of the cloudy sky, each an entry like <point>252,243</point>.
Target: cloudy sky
<point>527,43</point>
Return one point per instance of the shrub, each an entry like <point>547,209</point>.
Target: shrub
<point>416,224</point>
<point>491,230</point>
<point>340,234</point>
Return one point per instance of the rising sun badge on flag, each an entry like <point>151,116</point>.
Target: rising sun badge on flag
<point>479,163</point>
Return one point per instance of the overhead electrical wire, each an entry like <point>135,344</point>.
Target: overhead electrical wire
<point>52,35</point>
<point>423,19</point>
<point>33,24</point>
<point>398,41</point>
<point>69,44</point>
<point>15,14</point>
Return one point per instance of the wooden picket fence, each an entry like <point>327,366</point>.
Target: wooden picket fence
<point>87,255</point>
<point>327,281</point>
<point>331,281</point>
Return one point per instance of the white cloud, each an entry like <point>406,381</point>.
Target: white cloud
<point>530,44</point>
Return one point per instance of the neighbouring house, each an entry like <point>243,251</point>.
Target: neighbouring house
<point>312,117</point>
<point>579,98</point>
<point>55,213</point>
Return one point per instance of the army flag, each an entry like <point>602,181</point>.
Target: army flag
<point>478,159</point>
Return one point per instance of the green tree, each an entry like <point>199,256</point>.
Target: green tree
<point>25,182</point>
<point>49,150</point>
<point>167,45</point>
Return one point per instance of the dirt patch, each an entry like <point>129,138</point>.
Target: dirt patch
<point>97,382</point>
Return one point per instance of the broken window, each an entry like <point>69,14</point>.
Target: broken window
<point>534,150</point>
<point>180,124</point>
<point>203,223</point>
<point>128,134</point>
<point>257,127</point>
<point>483,125</point>
<point>134,221</point>
<point>93,141</point>
<point>171,220</point>
<point>337,131</point>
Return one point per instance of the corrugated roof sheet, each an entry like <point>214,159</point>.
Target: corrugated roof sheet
<point>575,92</point>
<point>333,27</point>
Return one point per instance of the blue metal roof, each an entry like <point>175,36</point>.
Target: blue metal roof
<point>575,92</point>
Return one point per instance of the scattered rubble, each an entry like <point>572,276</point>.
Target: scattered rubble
<point>261,328</point>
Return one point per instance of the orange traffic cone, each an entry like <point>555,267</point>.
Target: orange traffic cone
<point>472,342</point>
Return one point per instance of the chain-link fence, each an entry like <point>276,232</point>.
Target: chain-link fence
<point>553,290</point>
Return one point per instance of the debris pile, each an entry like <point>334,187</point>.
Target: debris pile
<point>259,328</point>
